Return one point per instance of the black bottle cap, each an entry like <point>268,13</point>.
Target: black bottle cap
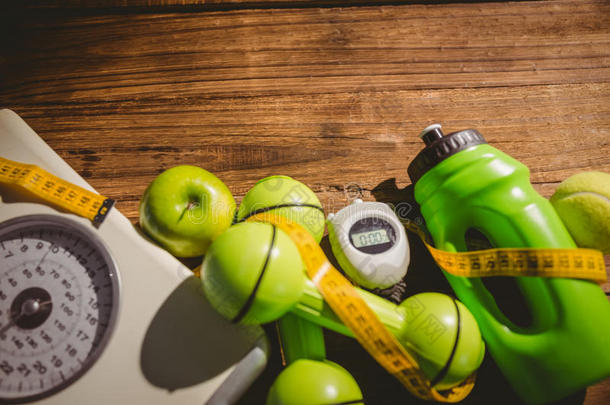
<point>439,147</point>
<point>431,133</point>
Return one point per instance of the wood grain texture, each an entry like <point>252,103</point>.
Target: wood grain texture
<point>105,4</point>
<point>334,97</point>
<point>197,5</point>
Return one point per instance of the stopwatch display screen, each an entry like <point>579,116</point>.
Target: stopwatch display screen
<point>370,238</point>
<point>58,303</point>
<point>372,235</point>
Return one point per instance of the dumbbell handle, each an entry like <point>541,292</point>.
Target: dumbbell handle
<point>300,339</point>
<point>398,319</point>
<point>313,308</point>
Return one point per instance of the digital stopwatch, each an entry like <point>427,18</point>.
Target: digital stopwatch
<point>370,244</point>
<point>59,294</point>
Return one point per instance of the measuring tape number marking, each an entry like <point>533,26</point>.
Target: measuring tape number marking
<point>54,190</point>
<point>569,263</point>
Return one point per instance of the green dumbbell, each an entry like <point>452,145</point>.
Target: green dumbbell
<point>309,377</point>
<point>291,199</point>
<point>253,273</point>
<point>285,196</point>
<point>307,382</point>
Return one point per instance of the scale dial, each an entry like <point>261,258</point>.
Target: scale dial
<point>59,292</point>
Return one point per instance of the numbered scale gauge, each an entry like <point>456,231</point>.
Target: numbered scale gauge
<point>370,244</point>
<point>59,292</point>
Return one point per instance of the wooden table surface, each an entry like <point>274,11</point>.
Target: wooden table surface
<point>331,93</point>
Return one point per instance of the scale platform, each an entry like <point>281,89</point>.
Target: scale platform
<point>160,342</point>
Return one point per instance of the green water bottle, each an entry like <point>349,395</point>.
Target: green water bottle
<point>469,190</point>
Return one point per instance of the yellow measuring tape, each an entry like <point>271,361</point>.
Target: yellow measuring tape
<point>569,263</point>
<point>353,311</point>
<point>52,189</point>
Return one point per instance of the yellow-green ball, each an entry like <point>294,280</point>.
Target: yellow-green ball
<point>287,197</point>
<point>583,203</point>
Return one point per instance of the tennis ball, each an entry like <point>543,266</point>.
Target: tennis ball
<point>285,196</point>
<point>253,273</point>
<point>583,204</point>
<point>307,382</point>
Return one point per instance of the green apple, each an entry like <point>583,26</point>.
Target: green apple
<point>185,208</point>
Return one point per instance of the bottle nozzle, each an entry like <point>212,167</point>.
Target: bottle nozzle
<point>431,133</point>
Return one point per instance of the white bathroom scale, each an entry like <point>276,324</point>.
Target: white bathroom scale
<point>103,316</point>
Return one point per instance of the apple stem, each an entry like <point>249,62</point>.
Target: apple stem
<point>190,205</point>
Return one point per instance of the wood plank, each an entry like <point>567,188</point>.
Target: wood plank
<point>199,4</point>
<point>555,130</point>
<point>311,51</point>
<point>208,4</point>
<point>105,4</point>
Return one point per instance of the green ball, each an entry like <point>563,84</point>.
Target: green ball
<point>285,191</point>
<point>583,204</point>
<point>307,382</point>
<point>253,273</point>
<point>430,332</point>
